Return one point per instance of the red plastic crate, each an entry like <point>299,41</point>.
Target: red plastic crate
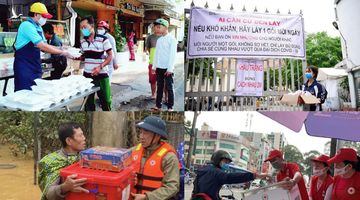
<point>103,185</point>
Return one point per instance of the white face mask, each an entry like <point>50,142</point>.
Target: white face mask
<point>318,172</point>
<point>42,21</point>
<point>340,171</point>
<point>101,32</point>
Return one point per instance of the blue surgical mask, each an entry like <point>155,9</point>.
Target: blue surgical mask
<point>308,75</point>
<point>86,32</point>
<point>225,167</point>
<point>42,21</point>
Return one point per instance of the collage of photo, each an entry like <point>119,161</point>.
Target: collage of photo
<point>179,100</point>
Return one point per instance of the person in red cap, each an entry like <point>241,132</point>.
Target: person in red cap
<point>321,182</point>
<point>346,175</point>
<point>103,28</point>
<point>288,173</point>
<point>30,40</point>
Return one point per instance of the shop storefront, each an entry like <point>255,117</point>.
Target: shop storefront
<point>131,18</point>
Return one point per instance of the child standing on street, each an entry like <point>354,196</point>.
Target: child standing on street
<point>164,62</point>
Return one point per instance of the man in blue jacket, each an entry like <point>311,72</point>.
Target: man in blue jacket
<point>212,177</point>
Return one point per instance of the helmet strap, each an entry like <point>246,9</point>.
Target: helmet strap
<point>152,140</point>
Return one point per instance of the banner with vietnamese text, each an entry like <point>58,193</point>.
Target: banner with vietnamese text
<point>215,33</point>
<point>250,77</point>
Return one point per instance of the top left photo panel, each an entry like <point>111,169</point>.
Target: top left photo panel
<point>92,55</point>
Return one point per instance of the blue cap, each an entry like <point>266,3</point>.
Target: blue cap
<point>154,124</point>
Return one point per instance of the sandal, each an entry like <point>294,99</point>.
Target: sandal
<point>156,109</point>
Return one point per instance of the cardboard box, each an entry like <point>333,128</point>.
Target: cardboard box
<point>106,158</point>
<point>299,99</point>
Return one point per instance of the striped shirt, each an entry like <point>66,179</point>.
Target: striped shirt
<point>94,53</point>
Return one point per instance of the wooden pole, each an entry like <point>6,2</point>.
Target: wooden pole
<point>59,10</point>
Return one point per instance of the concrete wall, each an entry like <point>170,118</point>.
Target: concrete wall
<point>349,20</point>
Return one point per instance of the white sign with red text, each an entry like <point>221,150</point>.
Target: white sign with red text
<point>250,77</point>
<point>215,33</point>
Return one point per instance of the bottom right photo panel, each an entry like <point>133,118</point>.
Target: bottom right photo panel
<point>272,155</point>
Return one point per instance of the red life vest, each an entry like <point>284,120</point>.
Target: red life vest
<point>320,194</point>
<point>152,175</point>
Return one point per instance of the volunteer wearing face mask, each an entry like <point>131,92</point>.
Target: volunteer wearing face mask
<point>29,41</point>
<point>346,175</point>
<point>321,182</point>
<point>213,176</point>
<point>314,87</point>
<point>94,46</point>
<point>103,28</point>
<point>288,173</point>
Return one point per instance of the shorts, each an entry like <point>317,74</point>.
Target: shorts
<point>152,77</point>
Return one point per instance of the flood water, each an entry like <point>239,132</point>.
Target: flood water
<point>17,183</point>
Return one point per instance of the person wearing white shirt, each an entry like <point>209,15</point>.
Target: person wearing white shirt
<point>164,62</point>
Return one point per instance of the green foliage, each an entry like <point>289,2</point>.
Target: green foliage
<point>119,38</point>
<point>285,72</point>
<point>20,128</point>
<point>323,50</point>
<point>292,154</point>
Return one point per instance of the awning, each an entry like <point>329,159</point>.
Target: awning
<point>158,2</point>
<point>341,125</point>
<point>331,73</point>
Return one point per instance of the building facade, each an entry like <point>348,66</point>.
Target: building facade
<point>347,17</point>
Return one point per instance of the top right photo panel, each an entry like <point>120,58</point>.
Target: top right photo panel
<point>274,55</point>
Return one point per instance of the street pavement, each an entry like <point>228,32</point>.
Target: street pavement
<point>236,192</point>
<point>130,86</point>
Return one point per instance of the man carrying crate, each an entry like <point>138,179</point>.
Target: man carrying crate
<point>73,141</point>
<point>157,164</point>
<point>288,172</point>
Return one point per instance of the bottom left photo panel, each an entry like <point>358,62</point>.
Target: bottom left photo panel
<point>92,155</point>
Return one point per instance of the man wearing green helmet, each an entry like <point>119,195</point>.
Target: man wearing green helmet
<point>157,165</point>
<point>212,177</point>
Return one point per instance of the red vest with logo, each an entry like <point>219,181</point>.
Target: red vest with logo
<point>346,188</point>
<point>320,194</point>
<point>152,175</point>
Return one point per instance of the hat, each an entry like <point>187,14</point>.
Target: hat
<point>273,154</point>
<point>154,124</point>
<point>40,9</point>
<point>218,155</point>
<point>162,21</point>
<point>103,24</point>
<point>322,158</point>
<point>344,154</point>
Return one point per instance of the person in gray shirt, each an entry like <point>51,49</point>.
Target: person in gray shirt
<point>150,49</point>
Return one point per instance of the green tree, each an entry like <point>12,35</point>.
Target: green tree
<point>119,38</point>
<point>323,50</point>
<point>307,161</point>
<point>18,129</point>
<point>292,154</point>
